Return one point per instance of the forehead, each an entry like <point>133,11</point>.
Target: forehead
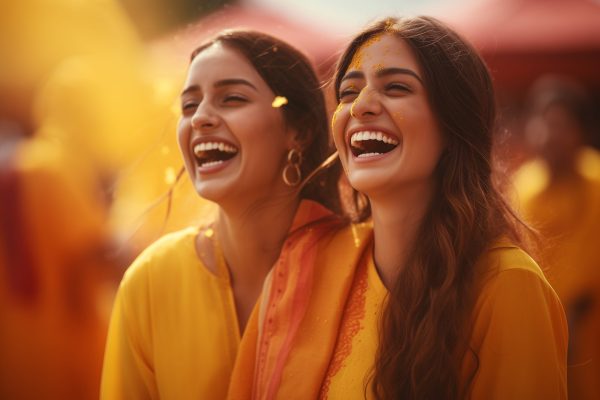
<point>384,51</point>
<point>218,62</point>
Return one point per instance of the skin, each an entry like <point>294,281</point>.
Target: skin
<point>382,90</point>
<point>225,100</point>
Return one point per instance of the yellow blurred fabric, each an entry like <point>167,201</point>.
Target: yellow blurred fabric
<point>104,149</point>
<point>108,99</point>
<point>51,335</point>
<point>38,34</point>
<point>566,210</point>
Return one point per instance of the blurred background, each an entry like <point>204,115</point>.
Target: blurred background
<point>90,172</point>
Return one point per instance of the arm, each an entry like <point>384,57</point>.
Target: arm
<point>128,371</point>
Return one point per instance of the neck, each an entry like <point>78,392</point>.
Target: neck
<point>397,218</point>
<point>251,238</point>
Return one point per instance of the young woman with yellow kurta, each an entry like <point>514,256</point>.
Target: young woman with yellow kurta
<point>249,134</point>
<point>442,303</point>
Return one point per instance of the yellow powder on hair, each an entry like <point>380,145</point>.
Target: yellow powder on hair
<point>279,101</point>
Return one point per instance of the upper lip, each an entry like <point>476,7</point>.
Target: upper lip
<point>369,129</point>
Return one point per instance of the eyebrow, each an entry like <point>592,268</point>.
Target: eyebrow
<point>383,72</point>
<point>221,83</point>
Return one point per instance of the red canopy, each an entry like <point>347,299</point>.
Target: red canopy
<point>522,39</point>
<point>515,26</point>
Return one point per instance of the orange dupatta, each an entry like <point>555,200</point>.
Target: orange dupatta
<point>291,336</point>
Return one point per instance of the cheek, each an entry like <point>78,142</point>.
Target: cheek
<point>338,126</point>
<point>262,139</point>
<point>433,143</point>
<point>183,135</point>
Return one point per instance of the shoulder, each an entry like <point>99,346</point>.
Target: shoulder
<point>519,331</point>
<point>505,260</point>
<point>162,258</point>
<point>514,289</point>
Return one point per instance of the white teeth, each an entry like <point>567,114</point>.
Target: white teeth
<point>363,155</point>
<point>205,146</point>
<point>211,163</point>
<point>368,135</point>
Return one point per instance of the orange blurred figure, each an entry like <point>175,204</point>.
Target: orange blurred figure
<point>560,195</point>
<point>82,95</point>
<point>51,329</point>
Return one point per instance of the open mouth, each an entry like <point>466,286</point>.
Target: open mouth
<point>372,143</point>
<point>213,153</point>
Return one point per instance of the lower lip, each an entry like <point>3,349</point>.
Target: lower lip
<point>212,169</point>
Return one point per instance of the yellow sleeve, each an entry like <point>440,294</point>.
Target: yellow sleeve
<point>520,338</point>
<point>128,371</point>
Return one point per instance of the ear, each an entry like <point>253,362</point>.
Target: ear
<point>295,140</point>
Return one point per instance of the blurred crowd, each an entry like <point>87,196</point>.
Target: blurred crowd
<point>88,161</point>
<point>90,175</point>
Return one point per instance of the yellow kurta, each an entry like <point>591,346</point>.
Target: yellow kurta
<point>174,332</point>
<point>519,334</point>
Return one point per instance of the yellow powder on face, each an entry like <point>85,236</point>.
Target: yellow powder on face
<point>356,62</point>
<point>397,116</point>
<point>363,92</point>
<point>378,67</point>
<point>279,101</point>
<point>209,232</point>
<point>335,113</point>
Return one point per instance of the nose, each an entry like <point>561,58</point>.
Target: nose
<point>204,119</point>
<point>366,105</point>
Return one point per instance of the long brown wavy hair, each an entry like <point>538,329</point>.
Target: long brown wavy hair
<point>290,74</point>
<point>425,325</point>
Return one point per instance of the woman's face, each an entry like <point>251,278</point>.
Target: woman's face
<point>384,129</point>
<point>233,141</point>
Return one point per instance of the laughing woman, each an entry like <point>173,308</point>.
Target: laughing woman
<point>444,304</point>
<point>464,311</point>
<point>253,125</point>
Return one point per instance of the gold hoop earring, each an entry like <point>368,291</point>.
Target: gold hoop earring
<point>291,173</point>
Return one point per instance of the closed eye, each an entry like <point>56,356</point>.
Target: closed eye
<point>396,87</point>
<point>189,107</point>
<point>348,94</point>
<point>232,99</point>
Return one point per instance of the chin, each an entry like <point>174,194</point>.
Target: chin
<point>364,183</point>
<point>213,192</point>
